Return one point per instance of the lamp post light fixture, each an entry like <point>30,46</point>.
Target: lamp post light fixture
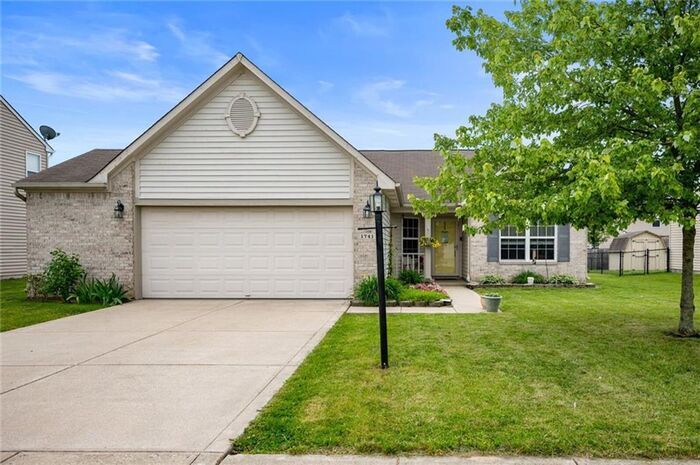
<point>367,211</point>
<point>378,206</point>
<point>377,203</point>
<point>119,209</point>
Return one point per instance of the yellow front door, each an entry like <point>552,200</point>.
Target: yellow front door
<point>445,256</point>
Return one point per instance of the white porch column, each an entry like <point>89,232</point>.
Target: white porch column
<point>428,251</point>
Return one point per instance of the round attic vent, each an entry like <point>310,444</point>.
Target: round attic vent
<point>242,115</point>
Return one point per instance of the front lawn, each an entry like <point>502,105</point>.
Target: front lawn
<point>559,372</point>
<point>16,311</point>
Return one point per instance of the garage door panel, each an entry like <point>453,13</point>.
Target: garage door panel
<point>247,252</point>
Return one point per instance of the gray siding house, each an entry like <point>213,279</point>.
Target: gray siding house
<point>22,153</point>
<point>241,191</point>
<point>675,245</point>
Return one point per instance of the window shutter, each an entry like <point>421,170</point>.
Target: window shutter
<point>492,246</point>
<point>563,241</point>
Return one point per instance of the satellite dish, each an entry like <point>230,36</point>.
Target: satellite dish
<point>48,133</point>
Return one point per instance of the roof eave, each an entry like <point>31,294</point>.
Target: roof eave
<point>29,186</point>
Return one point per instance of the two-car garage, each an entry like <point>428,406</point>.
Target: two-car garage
<point>236,252</point>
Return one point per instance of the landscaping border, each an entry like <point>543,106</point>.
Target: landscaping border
<point>479,285</point>
<point>406,303</point>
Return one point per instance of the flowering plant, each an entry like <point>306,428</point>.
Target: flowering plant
<point>429,286</point>
<point>429,242</point>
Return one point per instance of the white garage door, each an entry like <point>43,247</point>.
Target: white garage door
<point>265,252</point>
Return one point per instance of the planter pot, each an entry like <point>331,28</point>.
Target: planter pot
<point>490,303</point>
<point>530,280</point>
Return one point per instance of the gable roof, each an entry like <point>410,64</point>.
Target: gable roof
<point>77,169</point>
<point>621,241</point>
<point>207,89</point>
<point>404,165</point>
<point>49,149</point>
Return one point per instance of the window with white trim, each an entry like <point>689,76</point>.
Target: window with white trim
<point>536,242</point>
<point>410,235</point>
<point>33,163</point>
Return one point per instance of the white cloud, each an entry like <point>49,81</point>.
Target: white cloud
<point>366,26</point>
<point>31,48</point>
<point>324,86</point>
<point>110,86</point>
<point>196,44</point>
<point>375,96</point>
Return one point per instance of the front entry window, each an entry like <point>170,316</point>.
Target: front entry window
<point>410,235</point>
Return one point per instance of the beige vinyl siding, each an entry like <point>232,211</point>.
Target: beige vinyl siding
<point>675,245</point>
<point>15,141</point>
<point>285,157</point>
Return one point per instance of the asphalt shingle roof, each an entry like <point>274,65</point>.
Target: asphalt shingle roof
<point>77,169</point>
<point>400,165</point>
<point>404,165</point>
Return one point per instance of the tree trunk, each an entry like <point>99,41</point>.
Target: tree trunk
<point>686,327</point>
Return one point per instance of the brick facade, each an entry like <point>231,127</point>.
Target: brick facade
<point>364,252</point>
<point>576,266</point>
<point>83,223</point>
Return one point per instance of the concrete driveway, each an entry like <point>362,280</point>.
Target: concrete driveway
<point>152,375</point>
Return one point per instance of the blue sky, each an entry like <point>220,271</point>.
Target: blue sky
<point>383,75</point>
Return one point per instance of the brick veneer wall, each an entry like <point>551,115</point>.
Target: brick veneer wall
<point>577,266</point>
<point>364,252</point>
<point>83,223</point>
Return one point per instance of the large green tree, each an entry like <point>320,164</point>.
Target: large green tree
<point>599,124</point>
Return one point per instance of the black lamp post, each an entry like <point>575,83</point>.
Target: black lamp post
<point>377,205</point>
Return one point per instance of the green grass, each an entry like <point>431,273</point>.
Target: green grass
<point>16,311</point>
<point>560,372</point>
<point>419,295</point>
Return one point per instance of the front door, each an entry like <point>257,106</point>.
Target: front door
<point>445,256</point>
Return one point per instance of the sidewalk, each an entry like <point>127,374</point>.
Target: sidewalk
<point>463,300</point>
<point>382,460</point>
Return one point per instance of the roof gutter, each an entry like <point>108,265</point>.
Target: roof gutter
<point>66,186</point>
<point>23,198</point>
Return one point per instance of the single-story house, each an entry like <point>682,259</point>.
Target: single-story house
<point>241,191</point>
<point>639,250</point>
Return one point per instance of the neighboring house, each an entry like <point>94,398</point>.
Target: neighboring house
<point>675,244</point>
<point>240,191</point>
<point>656,227</point>
<point>23,152</point>
<point>639,250</point>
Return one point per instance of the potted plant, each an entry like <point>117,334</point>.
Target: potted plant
<point>491,302</point>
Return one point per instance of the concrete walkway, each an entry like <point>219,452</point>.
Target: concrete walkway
<point>169,380</point>
<point>463,300</point>
<point>382,460</point>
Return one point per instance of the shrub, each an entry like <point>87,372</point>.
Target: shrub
<point>411,277</point>
<point>522,278</point>
<point>562,279</point>
<point>34,286</point>
<point>493,279</point>
<point>62,274</point>
<point>106,292</point>
<point>367,290</point>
